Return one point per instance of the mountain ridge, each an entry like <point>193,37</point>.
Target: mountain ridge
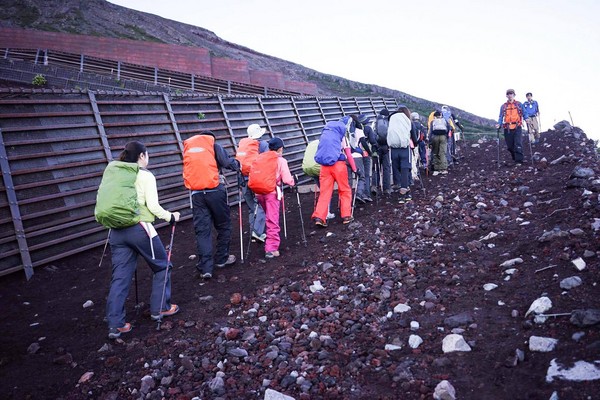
<point>104,19</point>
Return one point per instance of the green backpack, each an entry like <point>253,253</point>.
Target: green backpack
<point>309,165</point>
<point>116,203</point>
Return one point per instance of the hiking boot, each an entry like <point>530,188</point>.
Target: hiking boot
<point>171,311</point>
<point>206,275</point>
<point>320,222</point>
<point>347,220</point>
<point>230,260</point>
<point>407,197</point>
<point>272,254</point>
<point>114,333</point>
<point>330,215</point>
<point>260,238</point>
<point>402,199</point>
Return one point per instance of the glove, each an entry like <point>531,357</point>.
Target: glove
<point>174,217</point>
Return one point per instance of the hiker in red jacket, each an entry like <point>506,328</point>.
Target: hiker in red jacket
<point>271,178</point>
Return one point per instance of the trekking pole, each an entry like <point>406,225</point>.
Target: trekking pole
<point>240,218</point>
<point>300,211</point>
<point>104,251</point>
<point>250,235</point>
<point>419,174</point>
<point>530,149</point>
<point>355,188</point>
<point>283,209</point>
<point>498,141</point>
<point>159,321</point>
<point>137,297</point>
<point>377,193</point>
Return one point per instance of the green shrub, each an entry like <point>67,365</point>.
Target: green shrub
<point>39,80</point>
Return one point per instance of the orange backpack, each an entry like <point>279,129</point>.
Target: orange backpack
<point>200,170</point>
<point>513,114</point>
<point>263,174</point>
<point>246,154</point>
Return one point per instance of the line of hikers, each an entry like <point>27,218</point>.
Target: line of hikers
<point>348,153</point>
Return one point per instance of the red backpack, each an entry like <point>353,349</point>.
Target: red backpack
<point>246,154</point>
<point>263,174</point>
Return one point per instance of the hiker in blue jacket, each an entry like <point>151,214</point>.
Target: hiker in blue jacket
<point>531,113</point>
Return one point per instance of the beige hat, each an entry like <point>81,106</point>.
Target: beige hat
<point>255,131</point>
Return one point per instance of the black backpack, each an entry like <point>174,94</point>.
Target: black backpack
<point>381,128</point>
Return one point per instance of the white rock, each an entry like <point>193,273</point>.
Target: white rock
<point>501,303</point>
<point>85,377</point>
<point>88,303</point>
<point>579,264</point>
<point>489,236</point>
<point>570,282</point>
<point>392,347</point>
<point>510,271</point>
<point>540,306</point>
<point>414,341</point>
<point>382,260</point>
<point>328,234</point>
<point>262,318</point>
<point>481,205</point>
<point>271,394</point>
<point>454,342</point>
<point>511,262</point>
<point>528,204</point>
<point>596,224</point>
<point>414,325</point>
<point>554,396</point>
<point>192,257</point>
<point>489,286</point>
<point>401,308</point>
<point>586,193</point>
<point>542,344</point>
<point>456,198</point>
<point>581,371</point>
<point>444,391</point>
<point>316,287</point>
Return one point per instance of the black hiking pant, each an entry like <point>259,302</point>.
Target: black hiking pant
<point>514,143</point>
<point>210,208</point>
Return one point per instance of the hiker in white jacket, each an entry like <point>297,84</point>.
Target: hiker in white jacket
<point>401,138</point>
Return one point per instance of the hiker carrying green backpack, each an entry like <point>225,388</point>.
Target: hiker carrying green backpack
<point>127,203</point>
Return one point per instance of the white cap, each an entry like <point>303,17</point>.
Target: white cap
<point>255,131</point>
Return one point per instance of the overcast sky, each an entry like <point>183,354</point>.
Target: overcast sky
<point>464,53</point>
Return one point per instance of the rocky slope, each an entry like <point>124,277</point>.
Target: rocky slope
<point>411,301</point>
<point>101,18</point>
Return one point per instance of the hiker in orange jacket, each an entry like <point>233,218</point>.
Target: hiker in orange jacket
<point>270,202</point>
<point>511,119</point>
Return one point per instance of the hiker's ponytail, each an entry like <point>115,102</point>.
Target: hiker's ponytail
<point>132,152</point>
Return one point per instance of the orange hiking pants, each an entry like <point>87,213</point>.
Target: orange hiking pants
<point>338,173</point>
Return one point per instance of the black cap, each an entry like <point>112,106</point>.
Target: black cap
<point>275,143</point>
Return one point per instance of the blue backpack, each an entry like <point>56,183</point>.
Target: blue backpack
<point>330,143</point>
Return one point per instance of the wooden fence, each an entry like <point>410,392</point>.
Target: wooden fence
<point>55,144</point>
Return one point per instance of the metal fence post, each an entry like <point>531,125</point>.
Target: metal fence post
<point>14,210</point>
<point>264,113</point>
<point>173,123</point>
<point>100,125</point>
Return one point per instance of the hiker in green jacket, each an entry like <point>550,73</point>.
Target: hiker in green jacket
<point>139,239</point>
